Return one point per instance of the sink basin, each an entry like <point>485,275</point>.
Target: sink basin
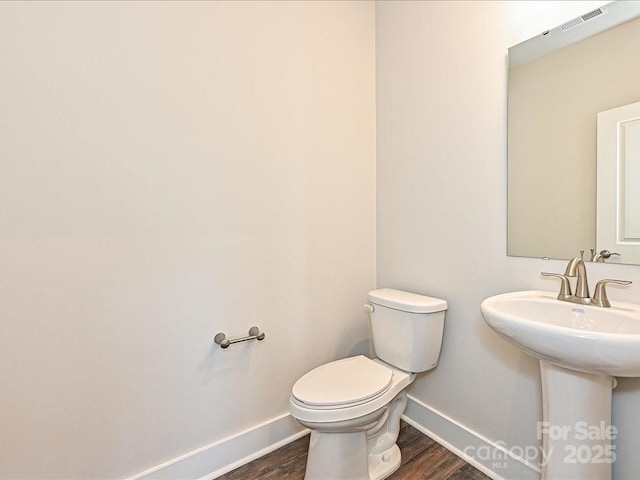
<point>585,338</point>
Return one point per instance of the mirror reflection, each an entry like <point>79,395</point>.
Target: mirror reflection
<point>559,83</point>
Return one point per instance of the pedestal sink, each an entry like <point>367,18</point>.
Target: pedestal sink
<point>581,349</point>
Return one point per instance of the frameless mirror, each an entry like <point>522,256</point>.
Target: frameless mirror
<point>559,82</point>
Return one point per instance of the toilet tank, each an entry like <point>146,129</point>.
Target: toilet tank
<point>407,328</point>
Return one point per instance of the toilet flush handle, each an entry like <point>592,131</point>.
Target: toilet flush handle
<point>369,308</point>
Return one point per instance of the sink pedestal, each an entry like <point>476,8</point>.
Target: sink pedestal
<point>576,431</point>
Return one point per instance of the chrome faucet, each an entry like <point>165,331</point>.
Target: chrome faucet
<point>576,268</point>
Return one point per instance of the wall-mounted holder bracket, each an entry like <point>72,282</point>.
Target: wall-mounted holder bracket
<point>224,342</point>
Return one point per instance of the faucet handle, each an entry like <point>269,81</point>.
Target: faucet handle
<point>600,295</point>
<point>565,286</point>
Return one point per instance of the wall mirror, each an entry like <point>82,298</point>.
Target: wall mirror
<point>559,81</point>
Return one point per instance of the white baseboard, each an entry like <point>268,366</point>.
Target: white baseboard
<point>491,458</point>
<point>220,457</point>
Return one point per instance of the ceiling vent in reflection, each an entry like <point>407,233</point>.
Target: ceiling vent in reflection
<point>583,19</point>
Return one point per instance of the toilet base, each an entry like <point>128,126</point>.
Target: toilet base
<point>337,456</point>
<point>368,453</point>
<point>349,459</point>
<point>382,465</point>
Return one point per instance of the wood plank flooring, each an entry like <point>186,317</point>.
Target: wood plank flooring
<point>422,458</point>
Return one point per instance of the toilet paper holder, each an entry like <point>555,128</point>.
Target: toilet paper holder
<point>224,342</point>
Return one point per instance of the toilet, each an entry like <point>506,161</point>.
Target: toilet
<point>353,406</point>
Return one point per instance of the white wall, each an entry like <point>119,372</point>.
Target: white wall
<point>441,206</point>
<point>170,170</point>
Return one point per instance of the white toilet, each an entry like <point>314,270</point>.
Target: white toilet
<point>353,406</point>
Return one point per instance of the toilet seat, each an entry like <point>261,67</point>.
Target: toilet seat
<point>344,408</point>
<point>342,383</point>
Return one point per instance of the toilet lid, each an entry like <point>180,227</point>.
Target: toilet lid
<point>350,380</point>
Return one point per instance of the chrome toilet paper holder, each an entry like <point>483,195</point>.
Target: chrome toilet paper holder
<point>224,342</point>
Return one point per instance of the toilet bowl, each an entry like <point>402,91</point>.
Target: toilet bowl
<point>353,405</point>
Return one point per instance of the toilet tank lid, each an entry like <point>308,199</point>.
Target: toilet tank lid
<point>406,301</point>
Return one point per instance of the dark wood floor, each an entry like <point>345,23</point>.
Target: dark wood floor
<point>422,458</point>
